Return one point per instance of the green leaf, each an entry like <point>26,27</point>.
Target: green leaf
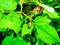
<point>52,15</point>
<point>50,11</point>
<point>39,42</point>
<point>40,20</point>
<point>7,40</point>
<point>25,30</point>
<point>8,4</point>
<point>58,6</point>
<point>19,41</point>
<point>3,29</point>
<point>1,15</point>
<point>58,28</point>
<point>47,34</point>
<point>11,21</point>
<point>45,1</point>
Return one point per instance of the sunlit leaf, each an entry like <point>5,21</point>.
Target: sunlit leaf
<point>47,34</point>
<point>11,21</point>
<point>40,20</point>
<point>52,15</point>
<point>49,9</point>
<point>25,30</point>
<point>8,4</point>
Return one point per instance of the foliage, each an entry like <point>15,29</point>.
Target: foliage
<point>30,22</point>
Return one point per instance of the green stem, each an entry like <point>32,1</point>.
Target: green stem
<point>25,15</point>
<point>21,7</point>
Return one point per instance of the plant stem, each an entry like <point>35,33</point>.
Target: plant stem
<point>25,15</point>
<point>21,7</point>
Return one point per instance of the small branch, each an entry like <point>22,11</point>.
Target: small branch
<point>21,7</point>
<point>25,15</point>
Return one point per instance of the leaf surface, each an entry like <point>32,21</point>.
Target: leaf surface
<point>11,21</point>
<point>8,4</point>
<point>25,30</point>
<point>48,34</point>
<point>40,20</point>
<point>7,40</point>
